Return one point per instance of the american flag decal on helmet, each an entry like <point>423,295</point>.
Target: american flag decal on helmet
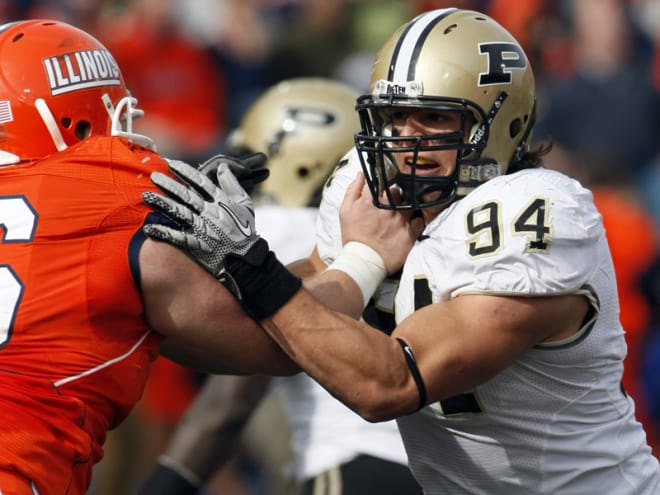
<point>5,112</point>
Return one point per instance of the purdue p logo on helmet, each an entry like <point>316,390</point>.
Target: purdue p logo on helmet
<point>449,60</point>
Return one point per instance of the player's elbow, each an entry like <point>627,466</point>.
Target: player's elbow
<point>376,403</point>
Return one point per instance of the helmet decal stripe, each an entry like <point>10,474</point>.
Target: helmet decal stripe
<point>405,55</point>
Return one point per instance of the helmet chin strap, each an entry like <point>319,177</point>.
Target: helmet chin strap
<point>414,188</point>
<point>50,123</point>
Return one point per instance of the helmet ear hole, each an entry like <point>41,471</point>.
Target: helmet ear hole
<point>514,127</point>
<point>83,129</point>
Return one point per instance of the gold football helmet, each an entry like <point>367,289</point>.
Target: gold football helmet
<point>446,60</point>
<point>305,126</point>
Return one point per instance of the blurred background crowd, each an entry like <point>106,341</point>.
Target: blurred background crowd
<point>196,65</point>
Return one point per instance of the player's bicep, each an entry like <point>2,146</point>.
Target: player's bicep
<point>463,342</point>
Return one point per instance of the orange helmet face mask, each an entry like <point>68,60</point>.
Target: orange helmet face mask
<point>58,86</point>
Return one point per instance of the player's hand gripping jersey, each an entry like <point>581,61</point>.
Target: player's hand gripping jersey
<point>74,354</point>
<point>532,233</point>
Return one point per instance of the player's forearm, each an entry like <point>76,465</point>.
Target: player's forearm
<point>338,291</point>
<point>306,267</point>
<point>350,281</point>
<point>224,354</point>
<point>330,347</point>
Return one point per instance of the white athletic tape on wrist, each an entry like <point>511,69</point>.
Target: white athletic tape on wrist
<point>364,265</point>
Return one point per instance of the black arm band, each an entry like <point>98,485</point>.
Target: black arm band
<point>414,371</point>
<point>166,480</point>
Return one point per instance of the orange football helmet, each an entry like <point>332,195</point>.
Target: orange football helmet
<point>58,86</point>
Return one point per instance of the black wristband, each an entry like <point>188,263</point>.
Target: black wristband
<point>165,481</point>
<point>263,282</point>
<point>414,371</point>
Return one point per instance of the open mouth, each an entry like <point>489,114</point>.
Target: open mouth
<point>423,166</point>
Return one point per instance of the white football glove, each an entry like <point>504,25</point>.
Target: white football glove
<point>214,219</point>
<point>216,227</point>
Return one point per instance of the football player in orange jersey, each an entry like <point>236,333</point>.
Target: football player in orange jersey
<point>87,301</point>
<point>85,298</point>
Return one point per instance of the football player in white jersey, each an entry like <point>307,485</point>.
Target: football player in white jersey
<point>304,126</point>
<point>504,370</point>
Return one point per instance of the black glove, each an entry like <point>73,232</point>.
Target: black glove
<point>250,169</point>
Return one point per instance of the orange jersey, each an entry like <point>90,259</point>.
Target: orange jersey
<point>75,350</point>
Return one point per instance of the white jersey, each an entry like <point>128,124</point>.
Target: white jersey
<point>556,421</point>
<point>324,432</point>
<point>290,232</point>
